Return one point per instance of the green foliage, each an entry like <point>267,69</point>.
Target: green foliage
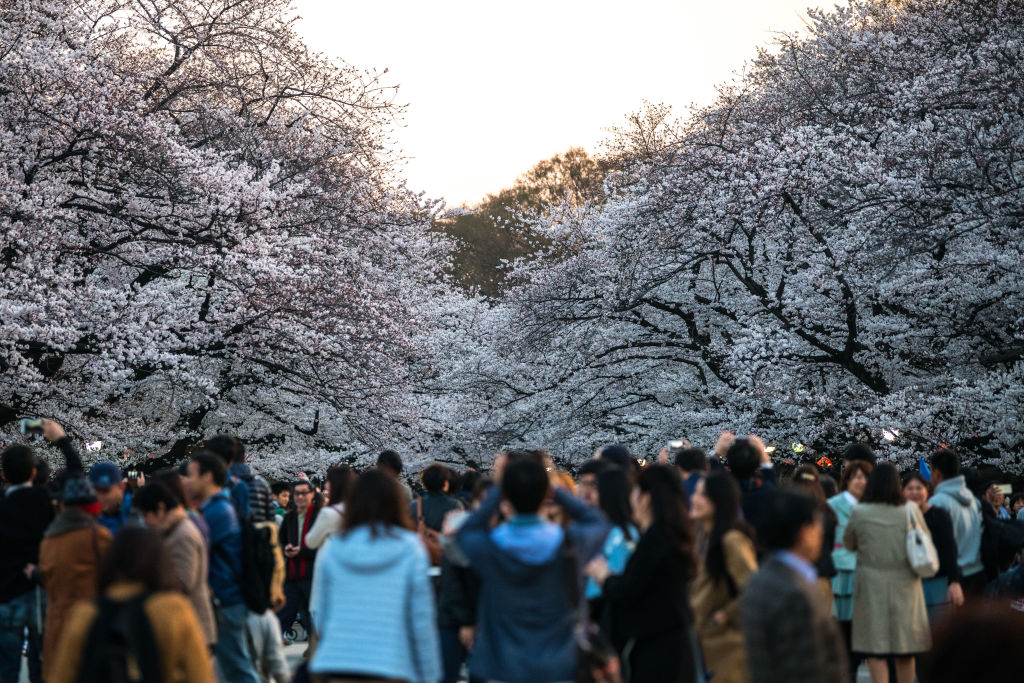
<point>499,230</point>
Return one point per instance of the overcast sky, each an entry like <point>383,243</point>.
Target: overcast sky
<point>492,87</point>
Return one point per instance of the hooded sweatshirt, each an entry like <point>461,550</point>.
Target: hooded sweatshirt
<point>525,623</point>
<point>964,509</point>
<point>373,605</point>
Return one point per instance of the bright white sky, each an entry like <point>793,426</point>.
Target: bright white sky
<point>493,87</point>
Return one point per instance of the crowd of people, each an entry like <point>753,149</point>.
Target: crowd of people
<point>693,568</point>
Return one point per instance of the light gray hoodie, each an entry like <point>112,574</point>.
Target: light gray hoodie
<point>953,496</point>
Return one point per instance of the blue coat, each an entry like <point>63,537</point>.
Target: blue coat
<point>373,606</point>
<point>844,560</point>
<point>525,625</point>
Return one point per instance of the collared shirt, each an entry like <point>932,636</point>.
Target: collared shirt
<point>849,497</point>
<point>14,487</point>
<point>799,565</point>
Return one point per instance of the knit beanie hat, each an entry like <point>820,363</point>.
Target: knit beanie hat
<point>78,491</point>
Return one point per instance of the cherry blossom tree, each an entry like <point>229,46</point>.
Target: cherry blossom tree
<point>830,249</point>
<point>203,229</point>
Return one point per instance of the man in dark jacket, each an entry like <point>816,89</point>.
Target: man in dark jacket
<point>299,558</point>
<point>745,459</point>
<point>250,492</point>
<point>524,632</point>
<point>435,503</point>
<point>25,513</point>
<point>790,634</point>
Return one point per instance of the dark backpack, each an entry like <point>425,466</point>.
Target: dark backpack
<point>120,646</point>
<point>257,562</point>
<point>257,565</point>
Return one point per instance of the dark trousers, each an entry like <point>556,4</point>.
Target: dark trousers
<point>855,658</point>
<point>453,654</point>
<point>296,594</point>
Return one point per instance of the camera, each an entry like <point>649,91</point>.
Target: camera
<point>31,425</point>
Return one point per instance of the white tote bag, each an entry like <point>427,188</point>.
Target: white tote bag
<point>921,553</point>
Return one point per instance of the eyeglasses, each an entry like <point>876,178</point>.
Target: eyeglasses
<point>303,493</point>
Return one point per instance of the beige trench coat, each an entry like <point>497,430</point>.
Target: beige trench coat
<point>889,615</point>
<point>722,644</point>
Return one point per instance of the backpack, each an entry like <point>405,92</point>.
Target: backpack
<point>431,539</point>
<point>120,646</point>
<point>258,560</point>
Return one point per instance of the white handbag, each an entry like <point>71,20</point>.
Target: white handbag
<point>921,553</point>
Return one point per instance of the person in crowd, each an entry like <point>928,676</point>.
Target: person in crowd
<point>889,614</point>
<point>186,548</point>
<point>618,455</point>
<point>1017,506</point>
<point>373,603</point>
<point>653,623</point>
<point>175,483</point>
<point>457,591</point>
<point>943,589</point>
<point>790,634</point>
<point>25,514</point>
<point>250,492</point>
<point>391,462</point>
<point>267,648</point>
<point>470,479</point>
<point>550,510</point>
<point>206,481</point>
<point>995,498</point>
<point>435,503</point>
<point>859,452</point>
<point>299,556</point>
<point>953,496</point>
<point>140,603</point>
<point>613,489</point>
<point>807,478</point>
<point>984,642</point>
<point>829,485</point>
<point>852,483</point>
<point>692,463</point>
<point>69,559</point>
<point>726,561</point>
<point>525,624</point>
<point>112,492</point>
<point>745,460</point>
<point>282,492</point>
<point>328,521</point>
<point>586,488</point>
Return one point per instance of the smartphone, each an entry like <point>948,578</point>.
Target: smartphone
<point>31,425</point>
<point>1006,489</point>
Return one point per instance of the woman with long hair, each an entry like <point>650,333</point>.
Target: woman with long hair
<point>851,487</point>
<point>613,491</point>
<point>726,560</point>
<point>339,482</point>
<point>372,603</point>
<point>808,478</point>
<point>653,624</point>
<point>140,606</point>
<point>943,589</point>
<point>889,615</point>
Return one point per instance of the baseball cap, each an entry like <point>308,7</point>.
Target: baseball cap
<point>105,474</point>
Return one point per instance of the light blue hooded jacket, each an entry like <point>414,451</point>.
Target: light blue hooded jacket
<point>373,606</point>
<point>954,497</point>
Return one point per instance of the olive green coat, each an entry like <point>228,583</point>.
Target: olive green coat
<point>889,615</point>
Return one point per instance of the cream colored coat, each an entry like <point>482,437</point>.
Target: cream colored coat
<point>889,615</point>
